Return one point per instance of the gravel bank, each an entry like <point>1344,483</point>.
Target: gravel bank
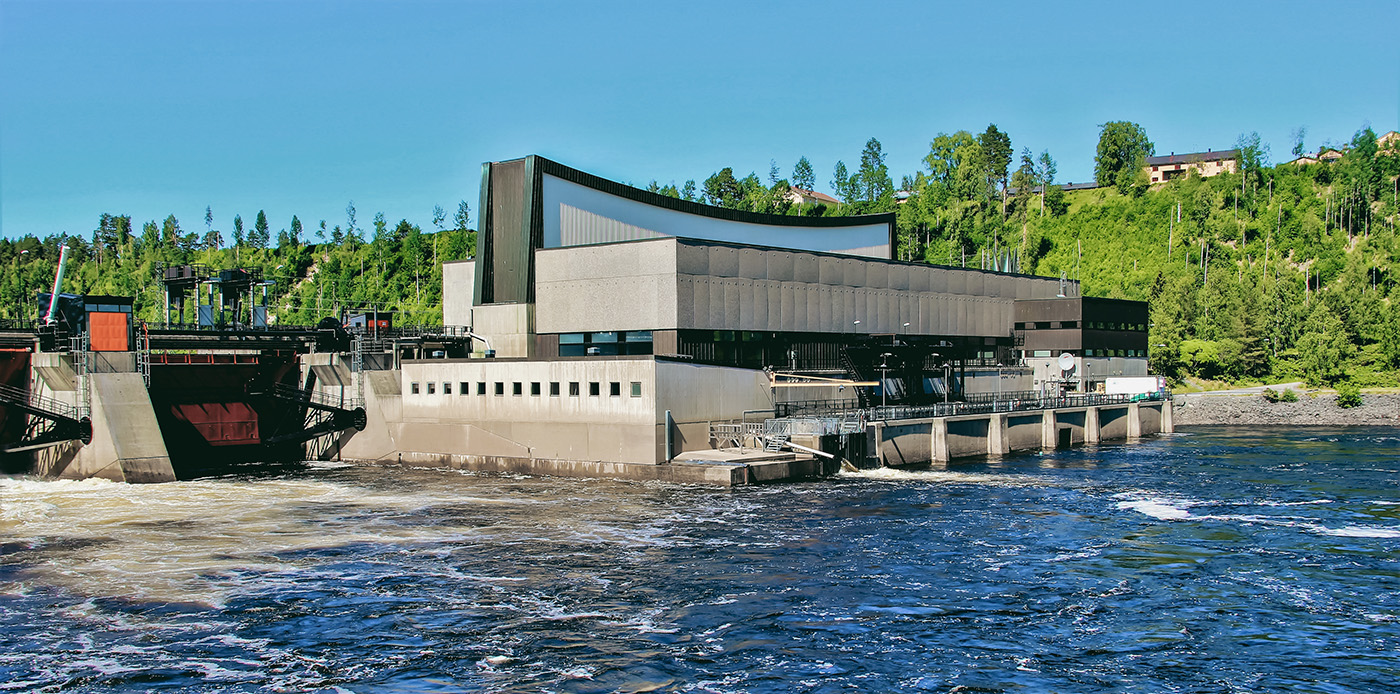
<point>1375,409</point>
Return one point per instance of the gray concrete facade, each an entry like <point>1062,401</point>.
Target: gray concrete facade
<point>674,283</point>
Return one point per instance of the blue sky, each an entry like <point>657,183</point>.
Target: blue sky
<point>157,108</point>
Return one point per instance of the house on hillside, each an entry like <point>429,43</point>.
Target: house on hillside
<point>1328,155</point>
<point>801,196</point>
<point>1205,164</point>
<point>1388,142</point>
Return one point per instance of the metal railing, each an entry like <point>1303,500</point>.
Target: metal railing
<point>23,397</point>
<point>975,404</point>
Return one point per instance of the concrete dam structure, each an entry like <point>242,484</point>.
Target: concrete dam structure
<point>599,331</point>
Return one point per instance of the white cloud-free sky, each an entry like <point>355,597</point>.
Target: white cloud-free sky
<point>157,108</point>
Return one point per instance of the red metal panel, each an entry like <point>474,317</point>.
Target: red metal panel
<point>109,332</point>
<point>221,423</point>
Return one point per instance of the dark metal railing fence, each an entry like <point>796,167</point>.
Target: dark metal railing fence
<point>981,403</point>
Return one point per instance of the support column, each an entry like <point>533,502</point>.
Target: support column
<point>1134,420</point>
<point>1167,426</point>
<point>874,438</point>
<point>940,440</point>
<point>1049,434</point>
<point>1091,425</point>
<point>997,443</point>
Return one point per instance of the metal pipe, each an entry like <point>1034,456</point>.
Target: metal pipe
<point>57,284</point>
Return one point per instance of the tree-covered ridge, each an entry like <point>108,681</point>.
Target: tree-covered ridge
<point>1274,271</point>
<point>395,268</point>
<point>1271,272</point>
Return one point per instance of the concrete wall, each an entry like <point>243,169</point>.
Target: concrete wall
<point>509,327</point>
<point>628,286</point>
<point>458,283</point>
<point>1023,431</point>
<point>577,427</point>
<point>698,394</point>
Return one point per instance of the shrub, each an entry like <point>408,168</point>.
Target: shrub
<point>1288,395</point>
<point>1270,395</point>
<point>1348,396</point>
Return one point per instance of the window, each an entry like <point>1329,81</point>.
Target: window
<point>432,388</point>
<point>594,389</point>
<point>636,389</point>
<point>553,389</point>
<point>462,388</point>
<point>413,388</point>
<point>535,388</point>
<point>573,389</point>
<point>481,387</point>
<point>516,388</point>
<point>446,387</point>
<point>615,389</point>
<point>500,388</point>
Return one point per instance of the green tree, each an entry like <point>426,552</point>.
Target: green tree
<point>723,190</point>
<point>1298,134</point>
<point>1045,172</point>
<point>262,234</point>
<point>802,175</point>
<point>841,183</point>
<point>463,218</point>
<point>1323,347</point>
<point>1123,151</point>
<point>871,183</point>
<point>295,234</point>
<point>996,155</point>
<point>238,238</point>
<point>439,216</point>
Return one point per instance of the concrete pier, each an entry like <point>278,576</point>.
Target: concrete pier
<point>898,443</point>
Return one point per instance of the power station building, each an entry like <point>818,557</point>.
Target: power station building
<point>621,324</point>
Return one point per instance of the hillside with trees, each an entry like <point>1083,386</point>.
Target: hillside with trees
<point>1273,272</point>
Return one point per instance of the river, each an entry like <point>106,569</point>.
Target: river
<point>1215,560</point>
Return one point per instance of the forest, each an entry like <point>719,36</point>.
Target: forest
<point>1274,272</point>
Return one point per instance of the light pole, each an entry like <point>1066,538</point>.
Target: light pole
<point>884,377</point>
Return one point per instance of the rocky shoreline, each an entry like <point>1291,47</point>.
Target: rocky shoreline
<point>1377,409</point>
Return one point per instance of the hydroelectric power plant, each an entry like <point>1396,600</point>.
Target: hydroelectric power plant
<point>599,331</point>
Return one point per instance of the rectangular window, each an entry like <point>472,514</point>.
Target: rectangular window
<point>636,389</point>
<point>573,389</point>
<point>500,388</point>
<point>432,388</point>
<point>516,388</point>
<point>413,388</point>
<point>481,387</point>
<point>462,388</point>
<point>593,389</point>
<point>535,388</point>
<point>553,389</point>
<point>446,387</point>
<point>615,389</point>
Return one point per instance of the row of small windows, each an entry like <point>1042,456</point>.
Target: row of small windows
<point>1042,353</point>
<point>610,343</point>
<point>595,388</point>
<point>1115,352</point>
<point>1087,325</point>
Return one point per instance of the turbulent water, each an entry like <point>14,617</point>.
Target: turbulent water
<point>1212,561</point>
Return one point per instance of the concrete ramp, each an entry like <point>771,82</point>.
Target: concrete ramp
<point>127,445</point>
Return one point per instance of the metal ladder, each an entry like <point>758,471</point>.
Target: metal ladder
<point>143,353</point>
<point>81,368</point>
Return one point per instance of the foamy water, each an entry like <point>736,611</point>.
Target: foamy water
<point>1215,560</point>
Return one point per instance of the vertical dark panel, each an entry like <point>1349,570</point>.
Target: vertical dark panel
<point>510,247</point>
<point>483,291</point>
